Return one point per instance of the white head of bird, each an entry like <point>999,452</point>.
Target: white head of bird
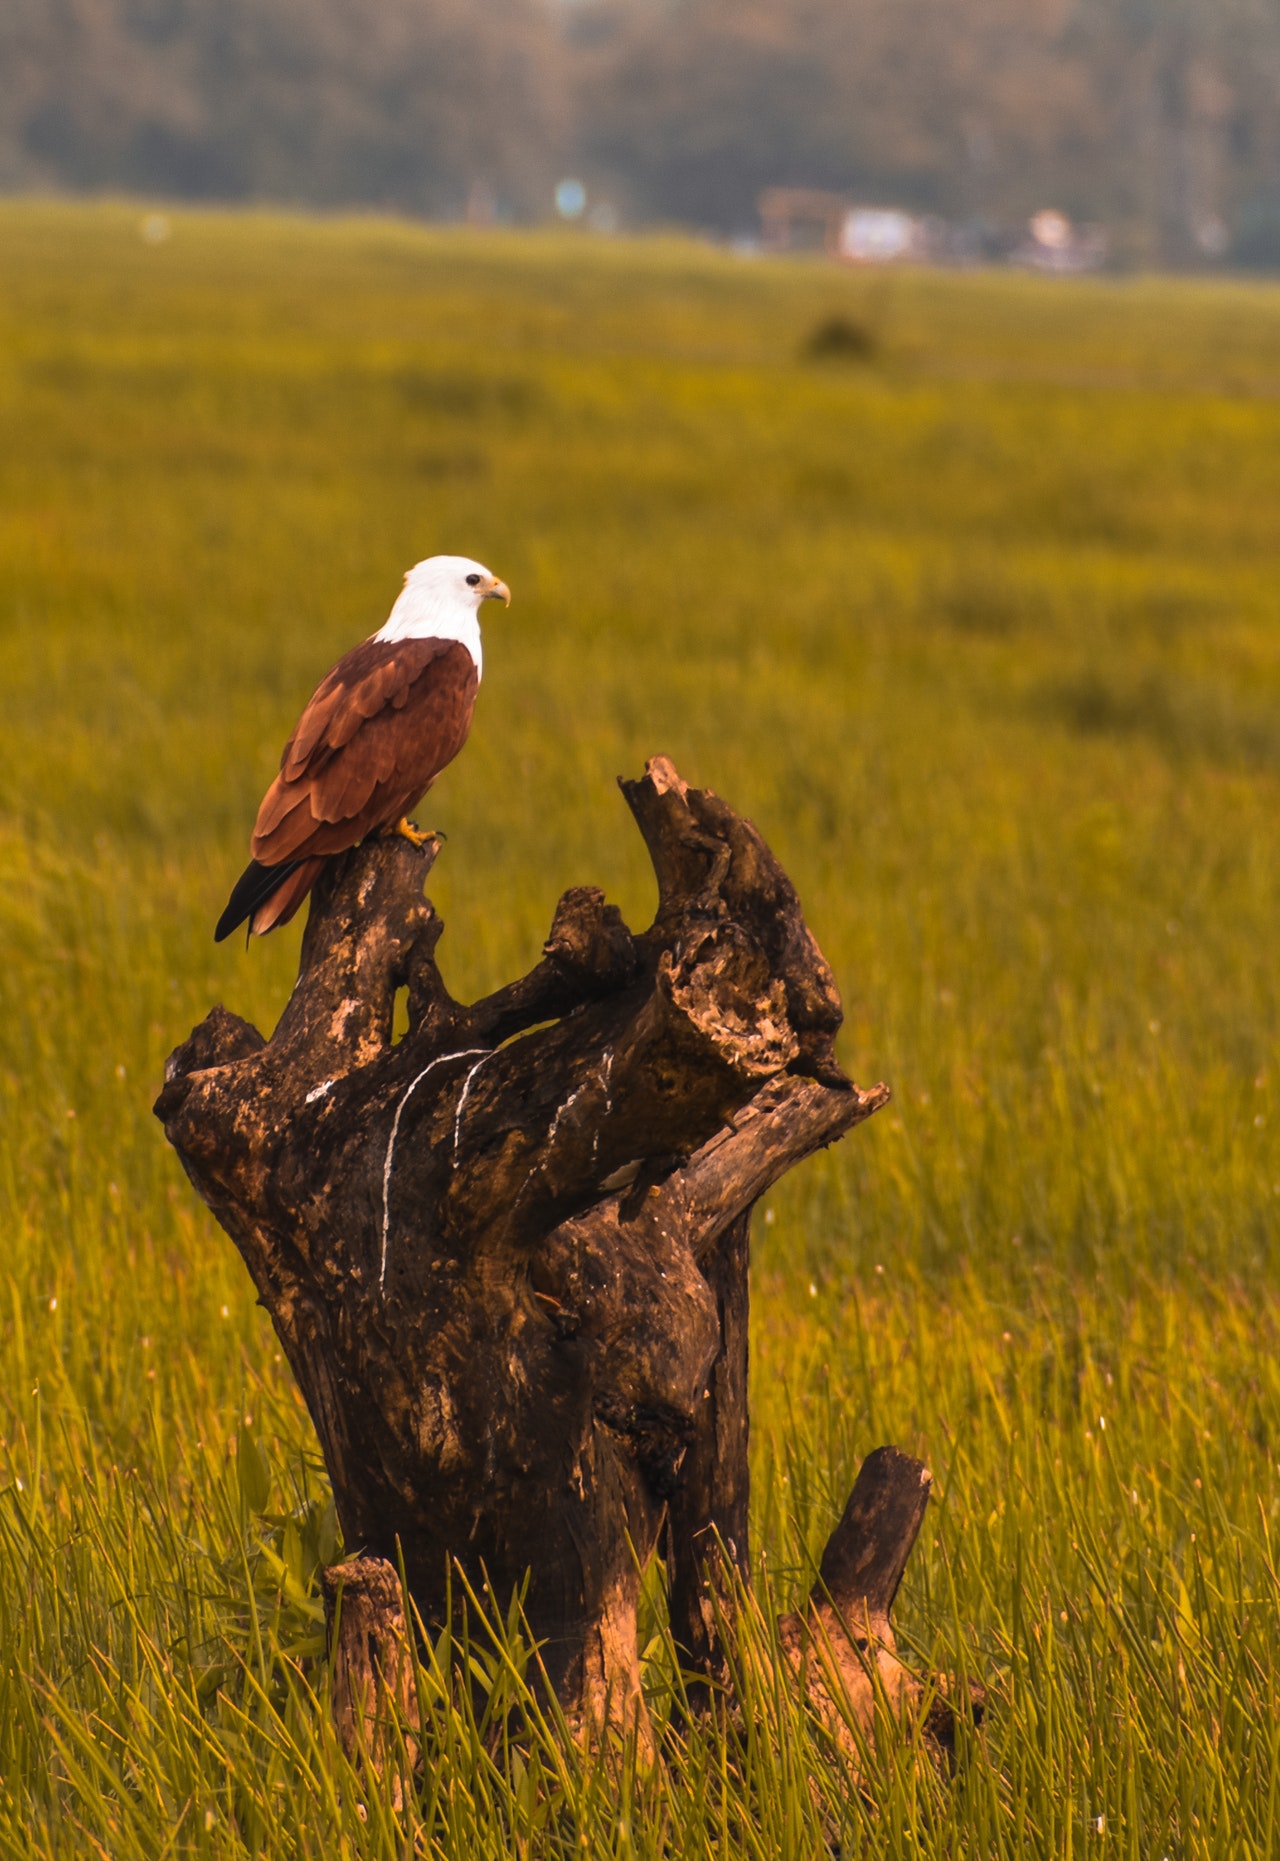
<point>441,600</point>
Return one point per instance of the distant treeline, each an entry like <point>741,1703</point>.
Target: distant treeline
<point>1158,117</point>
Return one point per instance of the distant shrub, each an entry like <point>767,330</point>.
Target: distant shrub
<point>840,339</point>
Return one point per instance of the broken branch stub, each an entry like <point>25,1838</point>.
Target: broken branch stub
<point>507,1256</point>
<point>374,1688</point>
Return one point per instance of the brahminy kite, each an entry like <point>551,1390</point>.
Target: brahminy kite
<point>378,730</point>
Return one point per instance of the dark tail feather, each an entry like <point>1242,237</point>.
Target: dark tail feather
<point>288,895</point>
<point>252,889</point>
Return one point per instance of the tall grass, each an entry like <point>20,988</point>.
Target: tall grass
<point>982,630</point>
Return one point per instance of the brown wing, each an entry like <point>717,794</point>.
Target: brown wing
<point>378,730</point>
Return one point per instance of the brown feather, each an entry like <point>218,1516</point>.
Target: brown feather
<point>378,730</point>
<point>281,800</point>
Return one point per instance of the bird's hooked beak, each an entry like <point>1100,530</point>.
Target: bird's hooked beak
<point>497,591</point>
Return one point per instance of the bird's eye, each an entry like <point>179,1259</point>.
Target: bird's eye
<point>473,581</point>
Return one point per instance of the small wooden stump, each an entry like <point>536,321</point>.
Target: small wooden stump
<point>841,1645</point>
<point>373,1685</point>
<point>507,1256</point>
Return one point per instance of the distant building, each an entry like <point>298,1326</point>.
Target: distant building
<point>881,235</point>
<point>809,219</point>
<point>1056,244</point>
<point>801,219</point>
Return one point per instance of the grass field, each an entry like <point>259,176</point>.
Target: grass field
<point>984,633</point>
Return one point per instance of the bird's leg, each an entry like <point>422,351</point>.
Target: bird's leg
<point>410,831</point>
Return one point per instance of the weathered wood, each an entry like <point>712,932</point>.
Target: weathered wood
<point>867,1552</point>
<point>374,1690</point>
<point>841,1645</point>
<point>707,1518</point>
<point>507,1256</point>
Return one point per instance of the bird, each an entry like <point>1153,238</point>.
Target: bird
<point>375,734</point>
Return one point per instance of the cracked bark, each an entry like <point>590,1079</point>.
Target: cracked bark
<point>507,1257</point>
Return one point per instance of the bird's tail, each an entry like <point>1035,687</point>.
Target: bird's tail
<point>267,895</point>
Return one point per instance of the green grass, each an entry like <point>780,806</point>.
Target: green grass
<point>985,635</point>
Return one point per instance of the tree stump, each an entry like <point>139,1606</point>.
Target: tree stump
<point>507,1257</point>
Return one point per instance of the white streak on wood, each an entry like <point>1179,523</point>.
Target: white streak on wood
<point>465,1094</point>
<point>606,1077</point>
<point>462,1054</point>
<point>574,1095</point>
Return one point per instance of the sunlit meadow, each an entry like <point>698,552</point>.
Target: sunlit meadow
<point>983,630</point>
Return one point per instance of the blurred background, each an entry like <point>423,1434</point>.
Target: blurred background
<point>958,576</point>
<point>1149,123</point>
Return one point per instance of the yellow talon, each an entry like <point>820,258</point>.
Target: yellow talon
<point>414,835</point>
